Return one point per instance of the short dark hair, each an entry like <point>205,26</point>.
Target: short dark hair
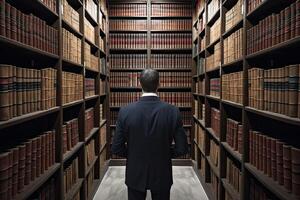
<point>149,80</point>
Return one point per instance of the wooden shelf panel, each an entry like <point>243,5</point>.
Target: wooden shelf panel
<point>233,104</point>
<point>73,103</point>
<point>102,123</point>
<point>91,134</point>
<point>212,133</point>
<point>73,151</point>
<point>230,189</point>
<point>27,117</point>
<point>90,167</point>
<point>213,167</point>
<point>213,97</point>
<point>235,154</point>
<point>93,97</point>
<point>37,183</point>
<point>70,28</point>
<point>75,188</point>
<point>199,121</point>
<point>89,17</point>
<point>234,28</point>
<point>141,69</point>
<point>200,149</point>
<point>127,31</point>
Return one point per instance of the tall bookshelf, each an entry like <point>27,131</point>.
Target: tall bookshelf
<point>80,56</point>
<point>141,21</point>
<point>235,116</point>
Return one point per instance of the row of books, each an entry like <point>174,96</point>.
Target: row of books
<point>102,44</point>
<point>89,31</point>
<point>23,164</point>
<point>233,46</point>
<point>89,121</point>
<point>214,60</point>
<point>257,191</point>
<point>178,99</point>
<point>51,4</point>
<point>200,136</point>
<point>215,121</point>
<point>102,22</point>
<point>128,61</point>
<point>200,86</point>
<point>70,134</point>
<point>173,61</point>
<point>46,192</point>
<point>90,154</point>
<point>131,9</point>
<point>90,60</point>
<point>71,175</point>
<point>70,15</point>
<point>72,87</point>
<point>171,9</point>
<point>27,29</point>
<point>276,159</point>
<point>71,47</point>
<point>25,90</point>
<point>274,29</point>
<point>232,87</point>
<point>89,87</point>
<point>91,8</point>
<point>128,24</point>
<point>200,65</point>
<point>102,86</point>
<point>199,110</point>
<point>214,153</point>
<point>234,15</point>
<point>215,31</point>
<point>171,40</point>
<point>214,87</point>
<point>233,175</point>
<point>128,40</point>
<point>167,79</point>
<point>234,135</point>
<point>212,8</point>
<point>275,90</point>
<point>174,24</point>
<point>89,186</point>
<point>252,4</point>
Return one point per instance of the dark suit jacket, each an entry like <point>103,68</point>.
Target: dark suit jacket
<point>149,126</point>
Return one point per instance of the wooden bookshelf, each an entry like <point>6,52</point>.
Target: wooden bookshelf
<point>279,55</point>
<point>20,54</point>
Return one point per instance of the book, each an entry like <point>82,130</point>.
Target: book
<point>171,41</point>
<point>214,153</point>
<point>128,40</point>
<point>232,87</point>
<point>215,121</point>
<point>168,25</point>
<point>90,59</point>
<point>89,121</point>
<point>213,61</point>
<point>91,8</point>
<point>215,31</point>
<point>212,8</point>
<point>89,87</point>
<point>295,155</point>
<point>132,9</point>
<point>70,134</point>
<point>161,9</point>
<point>233,48</point>
<point>214,87</point>
<point>234,15</point>
<point>71,47</point>
<point>90,154</point>
<point>89,31</point>
<point>70,15</point>
<point>233,175</point>
<point>71,175</point>
<point>72,87</point>
<point>234,136</point>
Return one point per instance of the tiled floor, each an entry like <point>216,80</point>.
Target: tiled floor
<point>186,185</point>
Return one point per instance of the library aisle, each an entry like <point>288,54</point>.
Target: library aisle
<point>186,185</point>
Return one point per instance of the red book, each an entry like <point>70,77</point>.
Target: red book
<point>287,24</point>
<point>7,20</point>
<point>296,171</point>
<point>287,168</point>
<point>297,18</point>
<point>13,18</point>
<point>21,175</point>
<point>2,18</point>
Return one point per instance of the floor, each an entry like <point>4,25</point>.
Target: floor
<point>186,185</point>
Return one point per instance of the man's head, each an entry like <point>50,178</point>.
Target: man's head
<point>149,80</point>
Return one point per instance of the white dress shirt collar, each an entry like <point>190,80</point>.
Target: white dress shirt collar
<point>147,94</point>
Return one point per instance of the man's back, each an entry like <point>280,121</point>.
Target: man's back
<point>149,126</point>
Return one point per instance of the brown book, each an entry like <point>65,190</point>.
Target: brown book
<point>13,20</point>
<point>15,153</point>
<point>297,32</point>
<point>7,20</point>
<point>38,156</point>
<point>21,174</point>
<point>296,171</point>
<point>273,159</point>
<point>279,161</point>
<point>2,18</point>
<point>5,92</point>
<point>287,168</point>
<point>299,92</point>
<point>293,90</point>
<point>4,174</point>
<point>43,153</point>
<point>33,158</point>
<point>269,164</point>
<point>28,146</point>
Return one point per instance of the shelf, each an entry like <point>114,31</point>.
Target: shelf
<point>102,33</point>
<point>102,123</point>
<point>93,45</point>
<point>89,17</point>
<point>199,95</point>
<point>28,190</point>
<point>195,76</point>
<point>200,149</point>
<point>213,167</point>
<point>27,117</point>
<point>233,104</point>
<point>171,17</point>
<point>275,50</point>
<point>119,50</point>
<point>180,107</point>
<point>202,32</point>
<point>171,31</point>
<point>275,116</point>
<point>70,28</point>
<point>102,52</point>
<point>127,17</point>
<point>91,70</point>
<point>212,44</point>
<point>187,126</point>
<point>102,148</point>
<point>270,184</point>
<point>103,75</point>
<point>234,64</point>
<point>75,188</point>
<point>214,18</point>
<point>228,187</point>
<point>235,154</point>
<point>91,134</point>
<point>73,151</point>
<point>214,70</point>
<point>212,133</point>
<point>127,31</point>
<point>90,167</point>
<point>213,97</point>
<point>229,3</point>
<point>91,97</point>
<point>141,69</point>
<point>159,89</point>
<point>73,103</point>
<point>71,65</point>
<point>174,50</point>
<point>199,121</point>
<point>102,95</point>
<point>10,47</point>
<point>234,28</point>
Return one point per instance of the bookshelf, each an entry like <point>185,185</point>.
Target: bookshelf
<point>62,51</point>
<point>149,23</point>
<point>223,79</point>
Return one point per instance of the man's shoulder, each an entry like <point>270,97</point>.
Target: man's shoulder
<point>168,106</point>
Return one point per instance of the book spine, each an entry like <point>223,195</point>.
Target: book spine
<point>293,90</point>
<point>287,168</point>
<point>5,92</point>
<point>295,171</point>
<point>8,20</point>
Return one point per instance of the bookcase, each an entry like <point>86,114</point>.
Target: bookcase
<point>150,34</point>
<point>246,98</point>
<point>53,98</point>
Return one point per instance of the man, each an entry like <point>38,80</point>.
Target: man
<point>144,135</point>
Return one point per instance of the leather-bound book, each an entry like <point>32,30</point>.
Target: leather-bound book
<point>293,90</point>
<point>7,20</point>
<point>296,171</point>
<point>297,18</point>
<point>28,163</point>
<point>264,154</point>
<point>2,18</point>
<point>269,161</point>
<point>38,156</point>
<point>4,175</point>
<point>15,153</point>
<point>21,174</point>
<point>273,159</point>
<point>279,161</point>
<point>10,173</point>
<point>33,158</point>
<point>13,22</point>
<point>53,147</point>
<point>5,90</point>
<point>43,153</point>
<point>287,168</point>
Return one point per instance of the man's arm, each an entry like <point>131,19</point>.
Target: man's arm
<point>118,146</point>
<point>181,145</point>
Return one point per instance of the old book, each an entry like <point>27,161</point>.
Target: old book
<point>4,174</point>
<point>13,21</point>
<point>279,161</point>
<point>7,20</point>
<point>269,160</point>
<point>2,18</point>
<point>5,92</point>
<point>15,154</point>
<point>295,171</point>
<point>38,156</point>
<point>273,159</point>
<point>287,168</point>
<point>33,158</point>
<point>293,90</point>
<point>28,146</point>
<point>21,174</point>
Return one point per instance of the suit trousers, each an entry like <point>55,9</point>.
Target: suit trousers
<point>141,195</point>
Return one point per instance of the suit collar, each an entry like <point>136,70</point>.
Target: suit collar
<point>149,98</point>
